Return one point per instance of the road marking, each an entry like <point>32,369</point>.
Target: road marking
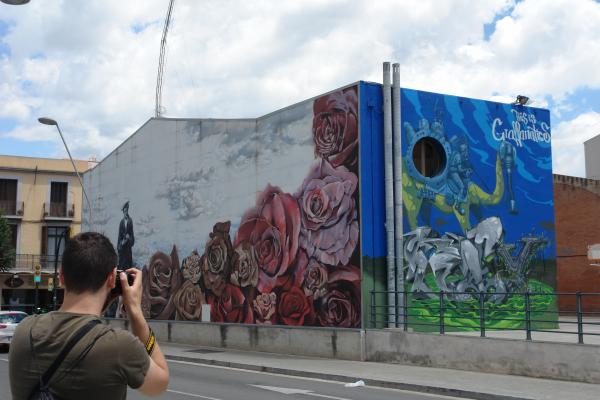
<point>4,359</point>
<point>192,395</point>
<point>304,378</point>
<point>297,391</point>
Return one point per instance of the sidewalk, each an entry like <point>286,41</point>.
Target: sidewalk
<point>473,385</point>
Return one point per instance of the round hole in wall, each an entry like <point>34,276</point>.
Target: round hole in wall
<point>429,157</point>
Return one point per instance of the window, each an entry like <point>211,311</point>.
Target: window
<point>429,157</point>
<point>53,236</point>
<point>58,199</point>
<point>8,196</point>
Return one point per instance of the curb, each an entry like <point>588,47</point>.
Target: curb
<point>343,378</point>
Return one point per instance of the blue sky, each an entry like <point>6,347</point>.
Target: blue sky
<point>92,65</point>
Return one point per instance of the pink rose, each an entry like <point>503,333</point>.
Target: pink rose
<point>340,306</point>
<point>335,127</point>
<point>188,302</point>
<point>329,217</point>
<point>273,229</point>
<point>191,267</point>
<point>264,308</point>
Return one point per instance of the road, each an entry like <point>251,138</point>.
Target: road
<point>193,381</point>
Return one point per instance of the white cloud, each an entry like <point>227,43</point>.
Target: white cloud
<point>84,64</point>
<point>567,143</point>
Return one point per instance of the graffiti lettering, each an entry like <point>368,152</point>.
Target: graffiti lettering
<point>523,128</point>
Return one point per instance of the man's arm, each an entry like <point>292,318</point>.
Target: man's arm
<point>157,377</point>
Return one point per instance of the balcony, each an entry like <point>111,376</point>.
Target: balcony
<point>12,208</point>
<point>59,211</point>
<point>25,263</point>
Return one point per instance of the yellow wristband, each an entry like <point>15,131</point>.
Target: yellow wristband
<point>150,342</point>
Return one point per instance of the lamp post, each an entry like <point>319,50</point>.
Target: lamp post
<point>50,121</point>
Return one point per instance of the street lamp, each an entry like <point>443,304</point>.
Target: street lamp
<point>15,2</point>
<point>50,121</point>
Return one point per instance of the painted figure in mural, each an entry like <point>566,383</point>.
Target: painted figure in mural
<point>451,191</point>
<point>459,174</point>
<point>126,239</point>
<point>508,154</point>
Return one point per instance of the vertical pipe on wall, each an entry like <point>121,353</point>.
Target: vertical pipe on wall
<point>389,193</point>
<point>397,154</point>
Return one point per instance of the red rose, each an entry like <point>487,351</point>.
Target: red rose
<point>231,306</point>
<point>295,308</point>
<point>340,306</point>
<point>335,127</point>
<point>272,228</point>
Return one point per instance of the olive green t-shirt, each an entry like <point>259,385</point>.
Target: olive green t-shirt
<point>116,359</point>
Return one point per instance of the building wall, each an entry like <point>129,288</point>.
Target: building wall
<point>592,158</point>
<point>577,209</point>
<point>483,223</point>
<point>257,219</point>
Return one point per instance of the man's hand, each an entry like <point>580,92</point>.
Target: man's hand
<point>132,295</point>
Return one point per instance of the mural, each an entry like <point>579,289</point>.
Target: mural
<point>482,220</point>
<point>290,256</point>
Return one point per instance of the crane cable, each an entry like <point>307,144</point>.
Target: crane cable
<point>158,111</point>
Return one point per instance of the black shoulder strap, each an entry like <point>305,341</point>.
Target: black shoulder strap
<point>72,342</point>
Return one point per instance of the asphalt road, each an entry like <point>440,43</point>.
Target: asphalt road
<point>192,381</point>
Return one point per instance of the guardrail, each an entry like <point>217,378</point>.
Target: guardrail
<point>444,312</point>
<point>27,262</point>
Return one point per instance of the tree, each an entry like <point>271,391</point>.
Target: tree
<point>7,252</point>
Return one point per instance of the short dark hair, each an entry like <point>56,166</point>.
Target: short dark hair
<point>86,262</point>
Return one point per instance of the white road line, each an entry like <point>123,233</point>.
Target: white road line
<point>325,396</point>
<point>304,378</point>
<point>4,359</point>
<point>192,395</point>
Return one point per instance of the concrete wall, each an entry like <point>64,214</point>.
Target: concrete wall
<point>570,362</point>
<point>317,342</point>
<point>577,210</point>
<point>515,357</point>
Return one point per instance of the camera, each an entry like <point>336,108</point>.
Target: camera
<point>118,290</point>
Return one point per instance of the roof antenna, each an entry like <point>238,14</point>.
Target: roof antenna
<point>159,109</point>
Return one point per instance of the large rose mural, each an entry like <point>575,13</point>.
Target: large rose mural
<point>335,127</point>
<point>292,258</point>
<point>272,227</point>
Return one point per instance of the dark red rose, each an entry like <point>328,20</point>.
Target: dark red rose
<point>295,308</point>
<point>244,266</point>
<point>335,127</point>
<point>231,306</point>
<point>272,228</point>
<point>162,278</point>
<point>340,306</point>
<point>188,302</point>
<point>329,218</point>
<point>264,308</point>
<point>216,260</point>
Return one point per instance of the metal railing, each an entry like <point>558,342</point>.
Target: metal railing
<point>59,210</point>
<point>27,262</point>
<point>528,312</point>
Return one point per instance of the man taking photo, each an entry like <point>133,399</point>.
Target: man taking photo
<point>98,362</point>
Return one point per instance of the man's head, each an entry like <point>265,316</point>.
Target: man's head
<point>125,208</point>
<point>88,260</point>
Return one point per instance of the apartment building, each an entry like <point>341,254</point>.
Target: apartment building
<point>42,199</point>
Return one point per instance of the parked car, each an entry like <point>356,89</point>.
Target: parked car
<point>8,322</point>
